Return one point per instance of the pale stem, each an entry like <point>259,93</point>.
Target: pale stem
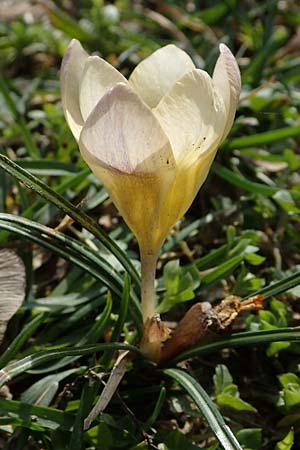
<point>148,269</point>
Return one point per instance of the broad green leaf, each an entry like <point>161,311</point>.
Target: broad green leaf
<point>280,311</point>
<point>227,393</point>
<point>179,286</point>
<point>287,442</point>
<point>221,378</point>
<point>176,440</point>
<point>250,438</point>
<point>254,259</point>
<point>288,378</point>
<point>105,436</point>
<point>291,395</point>
<point>229,400</point>
<point>276,347</point>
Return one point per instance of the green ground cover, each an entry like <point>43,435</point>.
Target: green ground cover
<point>240,237</point>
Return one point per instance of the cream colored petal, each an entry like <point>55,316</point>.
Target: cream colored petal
<point>98,77</point>
<point>123,134</point>
<point>71,72</point>
<point>227,80</point>
<point>126,148</point>
<point>155,75</point>
<point>192,116</point>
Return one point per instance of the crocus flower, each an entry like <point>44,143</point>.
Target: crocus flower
<point>150,139</point>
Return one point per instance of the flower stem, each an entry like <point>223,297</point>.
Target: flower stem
<point>148,269</point>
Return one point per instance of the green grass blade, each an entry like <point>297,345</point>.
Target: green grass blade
<point>26,411</point>
<point>157,409</point>
<point>123,310</point>
<point>38,207</point>
<point>99,326</point>
<point>30,362</point>
<point>244,339</point>
<point>212,258</point>
<point>85,405</point>
<point>207,408</point>
<point>76,252</point>
<point>222,271</point>
<point>21,338</point>
<point>242,182</point>
<point>68,252</point>
<point>120,322</point>
<point>49,167</point>
<point>268,137</point>
<point>19,120</point>
<point>64,22</point>
<point>91,337</point>
<point>79,216</point>
<point>57,329</point>
<point>278,287</point>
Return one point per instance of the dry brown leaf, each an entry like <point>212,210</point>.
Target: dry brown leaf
<point>114,380</point>
<point>12,286</point>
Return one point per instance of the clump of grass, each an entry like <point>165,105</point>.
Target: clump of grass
<point>82,277</point>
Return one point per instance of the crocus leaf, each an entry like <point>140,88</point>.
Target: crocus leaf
<point>207,408</point>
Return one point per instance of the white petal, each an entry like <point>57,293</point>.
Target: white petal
<point>192,116</point>
<point>71,72</point>
<point>155,75</point>
<point>127,149</point>
<point>227,79</point>
<point>98,77</point>
<point>123,134</point>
